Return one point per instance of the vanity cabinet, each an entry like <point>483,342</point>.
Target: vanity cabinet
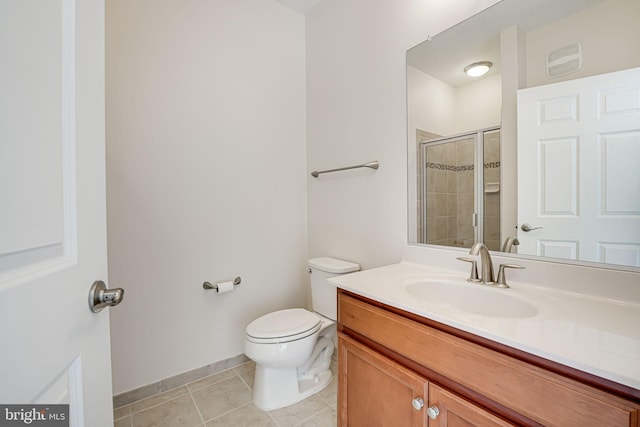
<point>454,411</point>
<point>376,391</point>
<point>388,358</point>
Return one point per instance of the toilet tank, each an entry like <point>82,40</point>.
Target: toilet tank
<point>323,293</point>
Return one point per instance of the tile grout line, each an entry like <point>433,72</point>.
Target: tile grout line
<point>124,416</point>
<point>272,418</point>
<point>159,403</point>
<point>251,402</point>
<point>229,411</point>
<point>196,405</point>
<point>186,386</point>
<point>304,420</point>
<point>190,391</point>
<point>130,416</point>
<point>211,371</point>
<point>204,423</point>
<point>243,381</point>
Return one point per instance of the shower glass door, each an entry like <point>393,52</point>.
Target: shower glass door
<point>455,190</point>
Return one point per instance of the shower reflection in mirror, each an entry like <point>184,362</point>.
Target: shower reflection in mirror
<point>459,187</point>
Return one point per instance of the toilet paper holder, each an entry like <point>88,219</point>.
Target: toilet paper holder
<point>209,285</point>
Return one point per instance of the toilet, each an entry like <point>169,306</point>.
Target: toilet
<point>292,348</point>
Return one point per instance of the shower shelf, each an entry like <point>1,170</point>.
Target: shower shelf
<point>492,187</point>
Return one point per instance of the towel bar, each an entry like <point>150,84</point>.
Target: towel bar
<point>372,165</point>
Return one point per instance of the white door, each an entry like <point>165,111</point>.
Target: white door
<point>52,208</point>
<point>578,169</point>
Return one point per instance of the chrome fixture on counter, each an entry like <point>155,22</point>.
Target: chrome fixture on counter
<point>473,275</point>
<point>502,278</point>
<point>486,265</point>
<point>509,243</point>
<point>487,277</point>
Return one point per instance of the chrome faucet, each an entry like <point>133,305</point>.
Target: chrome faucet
<point>509,242</point>
<point>486,277</point>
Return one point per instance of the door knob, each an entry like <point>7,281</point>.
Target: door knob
<point>101,297</point>
<point>527,227</point>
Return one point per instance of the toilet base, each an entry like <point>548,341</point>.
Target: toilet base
<point>289,389</point>
<point>276,386</point>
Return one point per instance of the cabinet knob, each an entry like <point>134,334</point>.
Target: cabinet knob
<point>417,403</point>
<point>433,412</point>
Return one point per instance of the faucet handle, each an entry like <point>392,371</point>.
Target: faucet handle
<point>473,276</point>
<point>501,282</point>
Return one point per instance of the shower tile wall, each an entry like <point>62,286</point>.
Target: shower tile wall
<point>441,195</point>
<point>450,194</point>
<point>421,136</point>
<point>465,193</point>
<point>492,190</point>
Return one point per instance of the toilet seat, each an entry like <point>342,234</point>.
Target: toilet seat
<point>283,326</point>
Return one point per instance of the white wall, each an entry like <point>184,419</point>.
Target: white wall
<point>609,34</point>
<point>479,104</point>
<point>436,107</point>
<point>356,112</point>
<point>431,104</point>
<point>206,177</point>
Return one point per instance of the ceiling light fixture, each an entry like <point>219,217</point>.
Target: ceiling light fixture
<point>478,69</point>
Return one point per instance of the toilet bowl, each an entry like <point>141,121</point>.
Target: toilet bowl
<point>292,348</point>
<point>294,365</point>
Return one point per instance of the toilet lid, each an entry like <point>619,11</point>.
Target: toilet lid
<point>290,324</point>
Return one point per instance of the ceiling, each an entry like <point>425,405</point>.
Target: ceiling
<point>302,6</point>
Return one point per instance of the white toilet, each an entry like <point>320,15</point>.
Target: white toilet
<point>292,348</point>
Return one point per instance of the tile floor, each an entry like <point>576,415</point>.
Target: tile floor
<point>224,399</point>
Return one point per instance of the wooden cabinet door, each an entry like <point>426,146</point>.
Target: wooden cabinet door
<point>454,411</point>
<point>375,391</point>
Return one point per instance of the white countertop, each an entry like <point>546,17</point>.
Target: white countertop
<point>597,335</point>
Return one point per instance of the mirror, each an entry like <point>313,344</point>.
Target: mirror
<point>499,159</point>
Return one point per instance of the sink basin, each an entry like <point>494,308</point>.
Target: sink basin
<point>472,298</point>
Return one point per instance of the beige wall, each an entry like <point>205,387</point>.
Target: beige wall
<point>609,33</point>
<point>356,110</point>
<point>206,165</point>
<point>437,107</point>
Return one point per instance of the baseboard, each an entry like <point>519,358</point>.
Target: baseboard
<point>165,384</point>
